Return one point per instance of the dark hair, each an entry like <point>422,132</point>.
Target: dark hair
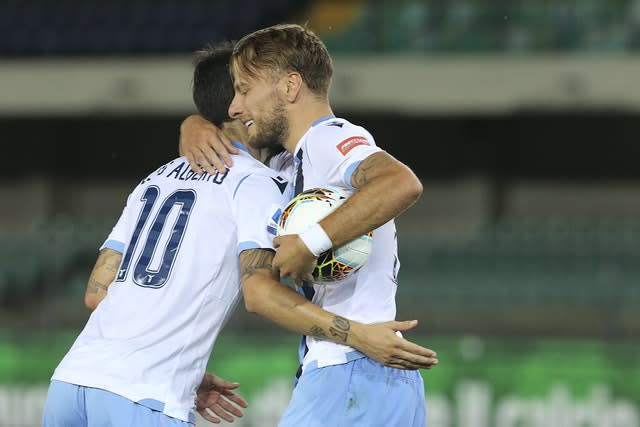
<point>212,85</point>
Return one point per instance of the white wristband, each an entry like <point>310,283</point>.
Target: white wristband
<point>316,239</point>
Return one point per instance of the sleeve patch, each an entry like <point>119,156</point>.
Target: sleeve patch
<point>350,143</point>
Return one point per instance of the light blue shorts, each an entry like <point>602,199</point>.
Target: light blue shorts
<point>360,393</point>
<point>70,405</point>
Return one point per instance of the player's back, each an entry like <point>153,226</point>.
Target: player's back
<point>180,234</point>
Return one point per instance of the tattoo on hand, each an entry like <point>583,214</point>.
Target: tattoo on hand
<point>340,328</point>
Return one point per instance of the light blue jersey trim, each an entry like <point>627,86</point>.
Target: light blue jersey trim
<point>323,119</point>
<point>240,146</point>
<point>349,172</point>
<point>249,244</point>
<point>239,184</point>
<point>115,245</point>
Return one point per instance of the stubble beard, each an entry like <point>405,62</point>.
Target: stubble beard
<point>273,129</point>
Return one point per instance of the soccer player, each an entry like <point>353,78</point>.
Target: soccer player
<point>197,133</point>
<point>262,291</point>
<point>281,77</point>
<point>166,281</point>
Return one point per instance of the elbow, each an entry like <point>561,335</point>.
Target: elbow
<point>250,305</point>
<point>251,299</point>
<point>91,302</point>
<point>412,187</point>
<point>415,189</point>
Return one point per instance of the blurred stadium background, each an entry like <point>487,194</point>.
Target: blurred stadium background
<point>521,260</point>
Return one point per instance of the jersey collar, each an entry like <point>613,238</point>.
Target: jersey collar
<point>296,158</point>
<point>323,119</point>
<point>240,146</point>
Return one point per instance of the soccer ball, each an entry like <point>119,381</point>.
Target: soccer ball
<point>307,209</point>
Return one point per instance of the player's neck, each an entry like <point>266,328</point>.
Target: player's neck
<point>302,117</point>
<point>262,154</point>
<point>236,131</point>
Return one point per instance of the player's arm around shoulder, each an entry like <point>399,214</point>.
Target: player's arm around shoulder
<point>103,274</point>
<point>204,145</point>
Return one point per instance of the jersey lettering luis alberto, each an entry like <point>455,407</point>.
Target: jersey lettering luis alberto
<point>329,153</point>
<point>180,235</point>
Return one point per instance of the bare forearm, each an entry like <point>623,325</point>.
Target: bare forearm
<point>285,307</point>
<point>266,296</point>
<point>386,188</point>
<point>102,275</point>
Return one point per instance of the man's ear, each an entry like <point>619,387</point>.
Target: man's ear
<point>293,86</point>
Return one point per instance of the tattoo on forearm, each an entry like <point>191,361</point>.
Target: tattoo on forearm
<point>316,331</point>
<point>95,287</point>
<point>109,260</point>
<point>340,328</point>
<point>359,177</point>
<point>363,172</point>
<point>112,266</point>
<point>253,260</point>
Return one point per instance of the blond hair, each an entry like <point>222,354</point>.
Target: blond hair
<point>284,48</point>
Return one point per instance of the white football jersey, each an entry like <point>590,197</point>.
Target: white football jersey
<point>329,153</point>
<point>285,166</point>
<point>180,234</point>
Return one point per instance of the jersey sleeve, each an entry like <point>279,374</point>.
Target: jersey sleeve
<point>120,234</point>
<point>336,152</point>
<point>257,201</point>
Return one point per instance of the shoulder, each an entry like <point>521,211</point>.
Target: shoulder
<point>340,133</point>
<point>281,162</point>
<point>245,164</point>
<point>253,177</point>
<point>256,169</point>
<point>338,129</point>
